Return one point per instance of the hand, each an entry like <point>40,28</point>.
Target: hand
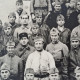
<point>33,16</point>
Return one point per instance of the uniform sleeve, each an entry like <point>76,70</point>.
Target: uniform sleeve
<point>49,5</point>
<point>51,61</point>
<point>32,7</point>
<point>21,70</point>
<point>65,50</point>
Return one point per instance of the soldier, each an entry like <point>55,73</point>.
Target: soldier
<point>77,73</point>
<point>54,74</point>
<point>42,25</point>
<point>7,33</point>
<point>23,48</point>
<point>29,74</point>
<point>19,10</point>
<point>40,61</point>
<point>72,22</point>
<point>76,29</point>
<point>51,20</point>
<point>36,31</point>
<point>24,26</point>
<point>59,52</point>
<point>40,6</point>
<point>15,63</point>
<point>5,72</point>
<point>12,18</point>
<point>74,58</point>
<point>64,33</point>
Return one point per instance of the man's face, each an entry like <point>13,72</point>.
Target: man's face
<point>75,43</point>
<point>39,19</point>
<point>29,76</point>
<point>57,7</point>
<point>35,30</point>
<point>24,41</point>
<point>39,45</point>
<point>10,50</point>
<point>61,22</point>
<point>54,76</point>
<point>5,74</point>
<point>24,19</point>
<point>7,30</point>
<point>19,7</point>
<point>77,76</point>
<point>54,37</point>
<point>78,6</point>
<point>11,19</point>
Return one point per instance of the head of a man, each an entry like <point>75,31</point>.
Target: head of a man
<point>54,34</point>
<point>23,39</point>
<point>5,71</point>
<point>7,28</point>
<point>39,43</point>
<point>75,40</point>
<point>29,74</point>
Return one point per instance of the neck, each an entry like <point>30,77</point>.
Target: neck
<point>12,23</point>
<point>40,50</point>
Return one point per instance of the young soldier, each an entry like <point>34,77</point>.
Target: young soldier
<point>12,18</point>
<point>77,73</point>
<point>29,74</point>
<point>51,20</point>
<point>76,29</point>
<point>7,33</point>
<point>23,48</point>
<point>15,63</point>
<point>59,52</point>
<point>40,6</point>
<point>36,31</point>
<point>74,58</point>
<point>42,25</point>
<point>24,26</point>
<point>5,72</point>
<point>54,74</point>
<point>64,33</point>
<point>42,58</point>
<point>72,22</point>
<point>19,10</point>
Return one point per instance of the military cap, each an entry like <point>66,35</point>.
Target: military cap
<point>5,67</point>
<point>12,14</point>
<point>29,70</point>
<point>75,36</point>
<point>35,25</point>
<point>23,35</point>
<point>53,71</point>
<point>38,38</point>
<point>10,43</point>
<point>56,3</point>
<point>19,1</point>
<point>77,70</point>
<point>54,30</point>
<point>60,17</point>
<point>6,25</point>
<point>78,16</point>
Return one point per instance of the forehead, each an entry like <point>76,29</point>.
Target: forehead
<point>4,70</point>
<point>29,74</point>
<point>57,5</point>
<point>24,16</point>
<point>24,38</point>
<point>54,74</point>
<point>10,46</point>
<point>39,41</point>
<point>54,33</point>
<point>78,3</point>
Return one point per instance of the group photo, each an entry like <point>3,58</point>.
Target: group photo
<point>39,39</point>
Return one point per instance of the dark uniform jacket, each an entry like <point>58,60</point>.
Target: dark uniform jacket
<point>16,66</point>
